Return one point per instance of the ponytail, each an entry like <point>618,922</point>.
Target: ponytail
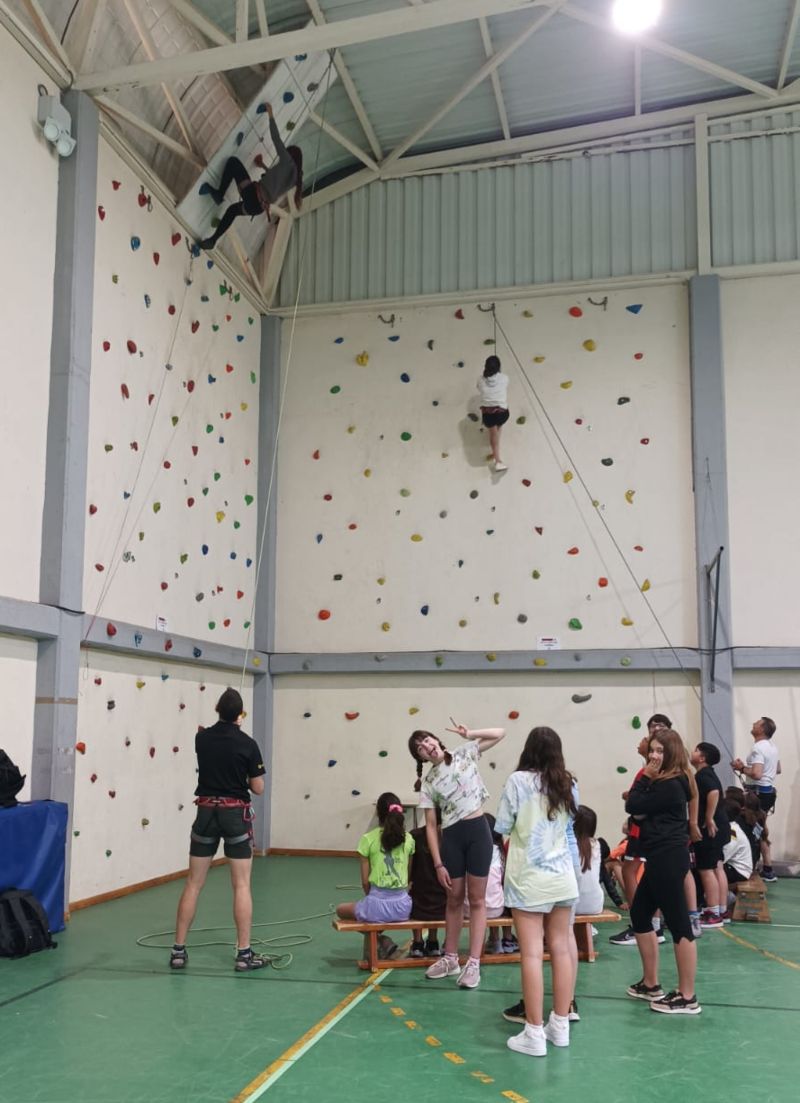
<point>418,782</point>
<point>392,820</point>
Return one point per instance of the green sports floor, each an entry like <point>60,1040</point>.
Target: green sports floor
<point>102,1019</point>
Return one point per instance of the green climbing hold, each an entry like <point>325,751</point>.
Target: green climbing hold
<point>405,436</point>
<point>248,499</point>
<point>625,660</point>
<point>209,428</point>
<point>636,723</point>
<point>335,389</point>
<point>521,420</point>
<point>156,507</point>
<point>622,769</point>
<point>536,574</point>
<point>252,377</point>
<point>382,754</point>
<point>575,624</point>
<point>439,660</point>
<point>237,524</point>
<point>174,419</point>
<point>404,493</point>
<point>212,624</point>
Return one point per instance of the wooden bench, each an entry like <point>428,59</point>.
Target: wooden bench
<point>751,901</point>
<point>583,936</point>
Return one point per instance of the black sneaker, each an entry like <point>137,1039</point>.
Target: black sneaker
<point>573,1015</point>
<point>515,1014</point>
<point>432,948</point>
<point>624,938</point>
<point>676,1004</point>
<point>641,991</point>
<point>768,874</point>
<point>659,933</point>
<point>248,961</point>
<point>178,959</point>
<point>417,949</point>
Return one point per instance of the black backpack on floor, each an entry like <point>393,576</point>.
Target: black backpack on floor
<point>24,926</point>
<point>11,781</point>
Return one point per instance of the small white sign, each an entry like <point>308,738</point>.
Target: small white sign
<point>161,624</point>
<point>548,643</point>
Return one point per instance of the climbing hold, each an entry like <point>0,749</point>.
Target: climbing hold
<point>638,547</point>
<point>623,400</point>
<point>522,618</point>
<point>581,698</point>
<point>106,346</point>
<point>156,258</point>
<point>638,356</point>
<point>416,538</point>
<point>124,390</point>
<point>335,389</point>
<point>634,308</point>
<point>644,440</point>
<point>394,337</point>
<point>425,609</point>
<point>540,662</point>
<point>442,513</point>
<point>645,586</point>
<point>101,212</point>
<point>439,660</point>
<point>367,472</point>
<point>176,237</point>
<point>195,326</point>
<point>413,710</point>
<point>331,762</point>
<point>288,96</point>
<point>590,345</point>
<point>538,529</point>
<point>220,515</point>
<point>382,754</point>
<point>625,660</point>
<point>430,345</point>
<point>92,510</point>
<point>362,359</point>
<point>573,551</point>
<point>629,496</point>
<point>152,752</point>
<point>568,476</point>
<point>459,314</point>
<point>324,614</point>
<point>575,312</point>
<point>80,748</point>
<point>131,346</point>
<point>473,494</point>
<point>197,652</point>
<point>156,507</point>
<point>622,769</point>
<point>111,705</point>
<point>496,597</point>
<point>574,624</point>
<point>526,482</point>
<point>513,715</point>
<point>248,499</point>
<point>636,723</point>
<point>111,629</point>
<point>352,526</point>
<point>491,656</point>
<point>386,626</point>
<point>135,243</point>
<point>462,624</point>
<point>565,386</point>
<point>602,583</point>
<point>527,313</point>
<point>352,715</point>
<point>405,377</point>
<point>521,420</point>
<point>405,436</point>
<point>538,359</point>
<point>626,622</point>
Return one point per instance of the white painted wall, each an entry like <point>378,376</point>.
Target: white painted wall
<point>322,806</point>
<point>473,567</point>
<point>28,188</point>
<point>775,694</point>
<point>151,713</point>
<point>18,692</point>
<point>187,434</point>
<point>762,384</point>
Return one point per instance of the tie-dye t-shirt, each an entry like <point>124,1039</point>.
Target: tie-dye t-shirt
<point>457,789</point>
<point>539,867</point>
<point>386,870</point>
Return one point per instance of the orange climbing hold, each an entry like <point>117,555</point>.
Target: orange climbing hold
<point>602,583</point>
<point>324,614</point>
<point>352,715</point>
<point>575,312</point>
<point>573,551</point>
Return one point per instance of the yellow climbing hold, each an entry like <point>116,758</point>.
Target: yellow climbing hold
<point>490,656</point>
<point>385,626</point>
<point>351,428</point>
<point>139,683</point>
<point>565,386</point>
<point>629,496</point>
<point>595,503</point>
<point>256,661</point>
<point>367,472</point>
<point>413,710</point>
<point>627,622</point>
<point>220,516</point>
<point>380,581</point>
<point>568,476</point>
<point>243,406</point>
<point>527,313</point>
<point>540,662</point>
<point>362,359</point>
<point>590,345</point>
<point>462,624</point>
<point>645,586</point>
<point>416,538</point>
<point>538,359</point>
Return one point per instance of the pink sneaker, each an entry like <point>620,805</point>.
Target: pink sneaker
<point>446,966</point>
<point>470,976</point>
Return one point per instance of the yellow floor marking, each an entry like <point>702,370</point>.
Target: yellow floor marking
<point>484,1079</point>
<point>514,1097</point>
<point>758,950</point>
<point>288,1055</point>
<point>412,1025</point>
<point>385,999</point>
<point>432,1041</point>
<point>397,1011</point>
<point>454,1057</point>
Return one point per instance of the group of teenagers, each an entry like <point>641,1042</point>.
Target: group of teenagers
<point>550,865</point>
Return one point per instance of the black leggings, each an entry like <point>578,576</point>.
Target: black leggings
<point>661,887</point>
<point>249,204</point>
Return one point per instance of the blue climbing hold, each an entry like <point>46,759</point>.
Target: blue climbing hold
<point>220,440</point>
<point>338,340</point>
<point>319,537</point>
<point>248,562</point>
<point>239,337</point>
<point>395,337</point>
<point>205,188</point>
<point>137,638</point>
<point>405,377</point>
<point>212,378</point>
<point>634,308</point>
<point>425,610</point>
<point>240,137</point>
<point>233,555</point>
<point>135,243</point>
<point>196,652</point>
<point>288,97</point>
<point>331,762</point>
<point>147,301</point>
<point>300,57</point>
<point>126,494</point>
<point>209,263</point>
<point>355,792</point>
<point>261,109</point>
<point>204,549</point>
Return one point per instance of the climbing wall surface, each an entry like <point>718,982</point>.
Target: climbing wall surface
<point>18,690</point>
<point>762,394</point>
<point>350,734</point>
<point>171,525</point>
<point>395,534</point>
<point>28,187</point>
<point>135,767</point>
<point>774,693</point>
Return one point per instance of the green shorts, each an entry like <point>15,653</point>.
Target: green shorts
<point>233,825</point>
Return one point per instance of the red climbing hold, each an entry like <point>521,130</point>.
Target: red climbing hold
<point>80,748</point>
<point>579,421</point>
<point>644,440</point>
<point>602,583</point>
<point>324,614</point>
<point>315,454</point>
<point>167,465</point>
<point>175,750</point>
<point>142,198</point>
<point>575,312</point>
<point>168,645</point>
<point>164,586</point>
<point>112,793</point>
<point>93,778</point>
<point>134,446</point>
<point>124,390</point>
<point>170,309</point>
<point>226,623</point>
<point>150,398</point>
<point>98,681</point>
<point>190,386</point>
<point>459,314</point>
<point>99,567</point>
<point>259,161</point>
<point>131,346</point>
<point>352,715</point>
<point>573,551</point>
<point>106,346</point>
<point>327,497</point>
<point>638,356</point>
<point>176,237</point>
<point>227,415</point>
<point>195,327</point>
<point>513,715</point>
<point>246,462</point>
<point>239,595</point>
<point>101,211</point>
<point>539,529</point>
<point>190,502</point>
<point>116,185</point>
<point>638,547</point>
<point>152,752</point>
<point>229,368</point>
<point>156,257</point>
<point>352,526</point>
<point>526,482</point>
<point>111,629</point>
<point>92,510</point>
<point>194,449</point>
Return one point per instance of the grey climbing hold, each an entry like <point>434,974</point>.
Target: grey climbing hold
<point>581,698</point>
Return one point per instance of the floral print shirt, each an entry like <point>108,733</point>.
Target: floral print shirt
<point>457,789</point>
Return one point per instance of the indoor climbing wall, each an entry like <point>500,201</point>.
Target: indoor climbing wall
<point>135,767</point>
<point>394,532</point>
<point>18,691</point>
<point>28,187</point>
<point>762,397</point>
<point>173,448</point>
<point>350,734</point>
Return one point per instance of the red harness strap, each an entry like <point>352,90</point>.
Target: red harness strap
<point>221,802</point>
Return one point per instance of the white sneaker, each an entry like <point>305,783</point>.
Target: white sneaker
<point>470,975</point>
<point>557,1030</point>
<point>532,1041</point>
<point>446,966</point>
<point>500,466</point>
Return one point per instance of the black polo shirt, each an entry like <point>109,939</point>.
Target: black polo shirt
<point>226,758</point>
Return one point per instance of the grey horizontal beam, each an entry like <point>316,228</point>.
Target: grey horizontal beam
<point>28,618</point>
<point>766,658</point>
<point>650,659</point>
<point>134,639</point>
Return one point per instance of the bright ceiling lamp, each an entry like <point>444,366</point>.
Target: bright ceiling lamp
<point>635,16</point>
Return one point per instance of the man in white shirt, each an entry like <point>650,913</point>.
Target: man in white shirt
<point>758,773</point>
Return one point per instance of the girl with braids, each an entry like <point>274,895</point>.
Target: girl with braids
<point>539,801</point>
<point>454,785</point>
<point>385,854</point>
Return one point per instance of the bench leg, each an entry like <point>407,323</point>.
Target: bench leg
<point>372,958</point>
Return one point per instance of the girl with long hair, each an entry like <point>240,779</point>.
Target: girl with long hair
<point>385,854</point>
<point>454,785</point>
<point>538,802</point>
<point>660,795</point>
<point>493,390</point>
<point>256,196</point>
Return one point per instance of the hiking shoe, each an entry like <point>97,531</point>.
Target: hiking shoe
<point>710,921</point>
<point>532,1041</point>
<point>432,948</point>
<point>556,1031</point>
<point>206,243</point>
<point>178,959</point>
<point>470,975</point>
<point>641,991</point>
<point>510,945</point>
<point>515,1013</point>
<point>248,961</point>
<point>446,966</point>
<point>676,1004</point>
<point>417,949</point>
<point>494,946</point>
<point>768,874</point>
<point>573,1015</point>
<point>386,948</point>
<point>624,938</point>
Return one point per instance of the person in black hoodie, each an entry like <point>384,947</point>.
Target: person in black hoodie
<point>661,794</point>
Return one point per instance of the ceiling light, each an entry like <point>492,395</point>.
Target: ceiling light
<point>635,16</point>
<point>56,123</point>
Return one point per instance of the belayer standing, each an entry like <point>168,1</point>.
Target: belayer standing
<point>257,195</point>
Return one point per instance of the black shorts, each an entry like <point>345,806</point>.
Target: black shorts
<point>707,853</point>
<point>233,825</point>
<point>494,416</point>
<point>733,875</point>
<point>661,887</point>
<point>467,848</point>
<point>766,800</point>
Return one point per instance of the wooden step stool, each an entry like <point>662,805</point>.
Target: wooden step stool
<point>751,901</point>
